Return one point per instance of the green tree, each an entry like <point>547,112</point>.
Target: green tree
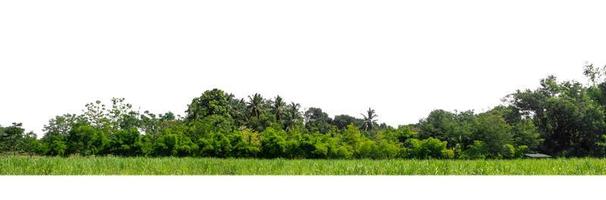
<point>477,150</point>
<point>10,137</point>
<point>370,119</point>
<point>258,111</point>
<point>273,143</point>
<point>246,143</point>
<point>525,133</point>
<point>238,111</point>
<point>86,140</point>
<point>342,121</point>
<point>279,110</point>
<point>568,118</point>
<point>125,143</point>
<point>14,139</point>
<point>211,102</point>
<point>454,128</point>
<point>174,145</point>
<point>317,121</point>
<point>293,116</point>
<point>494,132</point>
<point>216,124</point>
<point>256,105</point>
<point>430,148</point>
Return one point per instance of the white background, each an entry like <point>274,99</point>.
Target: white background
<point>403,58</point>
<point>304,188</point>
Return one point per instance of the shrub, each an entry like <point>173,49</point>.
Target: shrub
<point>477,150</point>
<point>86,140</point>
<point>273,143</point>
<point>174,145</point>
<point>510,151</point>
<point>125,143</point>
<point>245,143</point>
<point>521,150</point>
<point>428,149</point>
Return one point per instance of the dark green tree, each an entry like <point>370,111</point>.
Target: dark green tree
<point>293,117</point>
<point>342,121</point>
<point>317,121</point>
<point>279,110</point>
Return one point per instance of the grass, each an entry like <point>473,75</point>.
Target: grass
<point>23,165</point>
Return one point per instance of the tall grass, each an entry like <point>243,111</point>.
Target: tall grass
<point>22,165</point>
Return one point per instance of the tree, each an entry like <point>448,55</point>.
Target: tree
<point>125,143</point>
<point>151,124</point>
<point>570,121</point>
<point>95,114</point>
<point>454,128</point>
<point>215,145</point>
<point>369,119</point>
<point>494,132</point>
<point>85,139</point>
<point>477,150</point>
<point>525,133</point>
<point>214,124</point>
<point>594,74</point>
<point>246,143</point>
<point>430,148</point>
<point>259,117</point>
<point>174,145</point>
<point>279,110</point>
<point>61,125</point>
<point>342,121</point>
<point>317,121</point>
<point>399,135</point>
<point>256,105</point>
<point>10,137</point>
<point>122,115</point>
<point>273,143</point>
<point>293,116</point>
<point>14,139</point>
<point>238,111</point>
<point>211,102</point>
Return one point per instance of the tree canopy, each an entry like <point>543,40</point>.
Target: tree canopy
<point>559,118</point>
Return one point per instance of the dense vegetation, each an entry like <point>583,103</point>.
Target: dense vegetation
<point>211,166</point>
<point>565,119</point>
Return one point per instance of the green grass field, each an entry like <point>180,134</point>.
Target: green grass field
<point>23,165</point>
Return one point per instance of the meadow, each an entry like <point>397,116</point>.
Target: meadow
<point>25,165</point>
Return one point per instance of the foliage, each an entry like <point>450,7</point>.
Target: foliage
<point>428,149</point>
<point>212,102</point>
<point>14,139</point>
<point>559,118</point>
<point>317,121</point>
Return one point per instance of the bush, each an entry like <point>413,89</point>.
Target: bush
<point>428,149</point>
<point>86,140</point>
<point>245,143</point>
<point>174,145</point>
<point>477,150</point>
<point>215,145</point>
<point>273,143</point>
<point>521,150</point>
<point>510,151</point>
<point>125,143</point>
<point>385,150</point>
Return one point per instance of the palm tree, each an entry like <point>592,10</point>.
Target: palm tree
<point>278,107</point>
<point>292,115</point>
<point>369,119</point>
<point>255,105</point>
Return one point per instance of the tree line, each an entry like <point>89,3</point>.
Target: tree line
<point>560,118</point>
